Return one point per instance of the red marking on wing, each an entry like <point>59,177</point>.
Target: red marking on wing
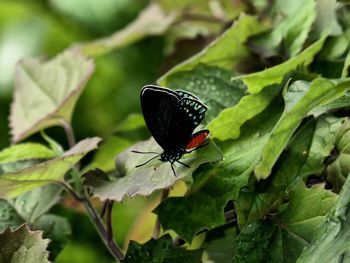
<point>197,140</point>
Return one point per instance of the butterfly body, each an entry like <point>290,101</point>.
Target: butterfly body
<point>171,117</point>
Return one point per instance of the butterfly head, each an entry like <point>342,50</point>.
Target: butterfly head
<point>172,156</point>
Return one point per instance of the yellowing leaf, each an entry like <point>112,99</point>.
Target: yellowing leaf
<point>25,151</point>
<point>46,92</point>
<point>14,184</point>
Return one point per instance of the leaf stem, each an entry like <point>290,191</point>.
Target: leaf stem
<point>105,234</point>
<point>113,248</point>
<point>156,230</point>
<point>109,220</point>
<point>69,132</point>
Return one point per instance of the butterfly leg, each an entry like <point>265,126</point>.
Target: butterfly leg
<point>186,165</point>
<point>137,166</point>
<point>172,168</point>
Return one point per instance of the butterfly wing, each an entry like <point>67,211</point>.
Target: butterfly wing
<point>184,94</point>
<point>157,105</point>
<point>186,116</point>
<point>197,139</point>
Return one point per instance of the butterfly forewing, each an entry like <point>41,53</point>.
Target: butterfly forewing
<point>157,107</point>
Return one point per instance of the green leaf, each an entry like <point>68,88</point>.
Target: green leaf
<point>292,22</point>
<point>178,5</point>
<point>338,170</point>
<point>211,84</point>
<point>151,21</point>
<point>220,245</point>
<point>320,92</point>
<point>8,216</point>
<point>18,165</point>
<point>55,228</point>
<point>14,184</point>
<point>32,205</point>
<point>153,176</point>
<point>254,202</point>
<point>342,102</point>
<point>207,208</point>
<point>46,92</point>
<point>305,155</point>
<point>30,208</point>
<point>25,151</point>
<point>255,82</point>
<point>322,144</point>
<point>161,250</point>
<point>281,238</point>
<point>226,52</point>
<point>227,125</point>
<point>306,210</point>
<point>55,146</point>
<point>326,19</point>
<point>253,242</point>
<point>345,71</point>
<point>23,246</point>
<point>331,241</point>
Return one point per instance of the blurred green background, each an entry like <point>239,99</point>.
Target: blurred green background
<point>44,28</point>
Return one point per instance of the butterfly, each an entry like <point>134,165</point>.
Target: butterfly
<point>171,117</point>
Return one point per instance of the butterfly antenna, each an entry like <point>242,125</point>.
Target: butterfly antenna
<point>172,168</point>
<point>137,166</point>
<point>144,152</point>
<point>186,165</point>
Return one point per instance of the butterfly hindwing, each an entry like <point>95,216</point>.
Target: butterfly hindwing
<point>186,116</point>
<point>184,94</point>
<point>197,139</point>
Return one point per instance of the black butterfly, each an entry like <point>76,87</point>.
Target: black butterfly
<point>171,117</point>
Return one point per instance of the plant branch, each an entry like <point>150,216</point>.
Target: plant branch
<point>156,230</point>
<point>70,190</point>
<point>109,220</point>
<point>104,208</point>
<point>69,132</point>
<point>105,234</point>
<point>108,240</point>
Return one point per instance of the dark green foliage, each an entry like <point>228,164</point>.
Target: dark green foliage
<point>161,250</point>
